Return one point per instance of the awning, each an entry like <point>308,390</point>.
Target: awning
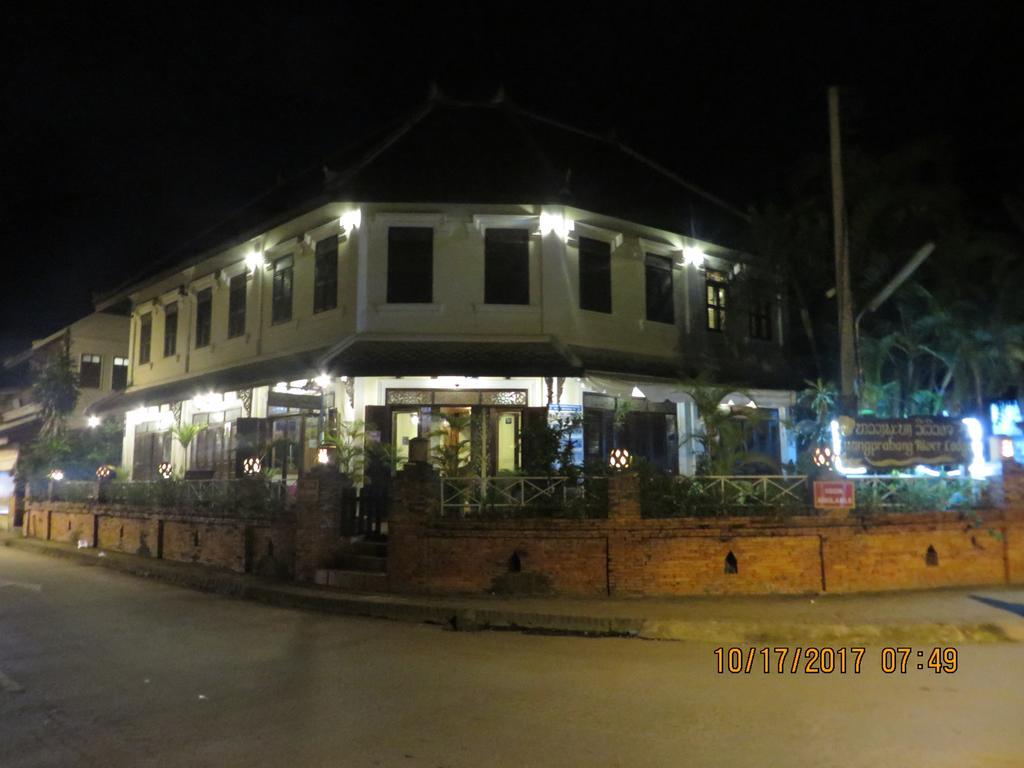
<point>654,390</point>
<point>8,458</point>
<point>255,374</point>
<point>521,356</point>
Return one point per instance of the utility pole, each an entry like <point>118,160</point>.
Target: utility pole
<point>844,296</point>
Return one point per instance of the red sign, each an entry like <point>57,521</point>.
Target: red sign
<point>833,494</point>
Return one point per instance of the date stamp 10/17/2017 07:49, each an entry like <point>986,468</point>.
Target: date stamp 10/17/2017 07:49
<point>816,660</point>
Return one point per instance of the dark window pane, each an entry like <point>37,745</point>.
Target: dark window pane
<point>410,265</point>
<point>507,266</point>
<point>120,375</point>
<point>89,371</point>
<point>281,308</point>
<point>325,279</point>
<point>145,336</point>
<point>761,320</point>
<point>236,306</point>
<point>171,329</point>
<point>658,274</point>
<point>204,317</point>
<point>595,275</point>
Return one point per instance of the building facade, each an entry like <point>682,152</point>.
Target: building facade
<point>402,316</point>
<point>97,346</point>
<point>476,270</point>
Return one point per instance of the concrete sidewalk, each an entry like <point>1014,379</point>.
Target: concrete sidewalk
<point>934,617</point>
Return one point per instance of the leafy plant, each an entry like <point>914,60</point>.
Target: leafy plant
<point>348,442</point>
<point>186,433</point>
<point>453,453</point>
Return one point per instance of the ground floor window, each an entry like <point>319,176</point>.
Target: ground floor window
<point>213,449</point>
<point>152,447</point>
<point>647,430</point>
<point>470,431</point>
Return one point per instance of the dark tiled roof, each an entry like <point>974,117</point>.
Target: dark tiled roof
<point>454,152</point>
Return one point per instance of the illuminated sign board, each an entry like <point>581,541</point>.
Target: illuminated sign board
<point>890,443</point>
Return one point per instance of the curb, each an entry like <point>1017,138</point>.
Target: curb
<point>461,618</point>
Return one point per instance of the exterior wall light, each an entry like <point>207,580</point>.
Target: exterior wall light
<point>56,474</point>
<point>254,260</point>
<point>165,470</point>
<point>351,220</point>
<point>93,422</point>
<point>253,465</point>
<point>619,459</point>
<point>637,392</point>
<point>693,257</point>
<point>323,381</point>
<point>557,223</point>
<point>104,472</point>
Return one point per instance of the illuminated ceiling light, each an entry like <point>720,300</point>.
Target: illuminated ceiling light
<point>637,392</point>
<point>351,220</point>
<point>323,381</point>
<point>93,422</point>
<point>693,256</point>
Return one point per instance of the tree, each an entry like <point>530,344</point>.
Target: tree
<point>55,388</point>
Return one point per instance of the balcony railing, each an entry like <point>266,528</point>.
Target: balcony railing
<point>248,497</point>
<point>705,496</point>
<point>504,497</point>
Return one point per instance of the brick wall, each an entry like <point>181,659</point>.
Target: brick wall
<point>254,546</point>
<point>628,555</point>
<point>131,535</point>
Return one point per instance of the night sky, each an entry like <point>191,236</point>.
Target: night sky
<point>125,135</point>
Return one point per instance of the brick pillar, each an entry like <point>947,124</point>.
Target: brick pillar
<point>416,500</point>
<point>624,497</point>
<point>1012,487</point>
<point>625,540</point>
<point>317,519</point>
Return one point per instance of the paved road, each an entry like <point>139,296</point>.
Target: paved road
<point>118,671</point>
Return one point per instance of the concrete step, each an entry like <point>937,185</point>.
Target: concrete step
<point>370,548</point>
<point>353,581</point>
<point>366,563</point>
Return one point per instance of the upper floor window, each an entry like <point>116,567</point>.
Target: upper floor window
<point>119,378</point>
<point>236,306</point>
<point>595,275</point>
<point>410,265</point>
<point>325,277</point>
<point>204,317</point>
<point>89,371</point>
<point>507,266</point>
<point>171,329</point>
<point>716,286</point>
<point>658,280</point>
<point>761,319</point>
<point>281,305</point>
<point>145,336</point>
